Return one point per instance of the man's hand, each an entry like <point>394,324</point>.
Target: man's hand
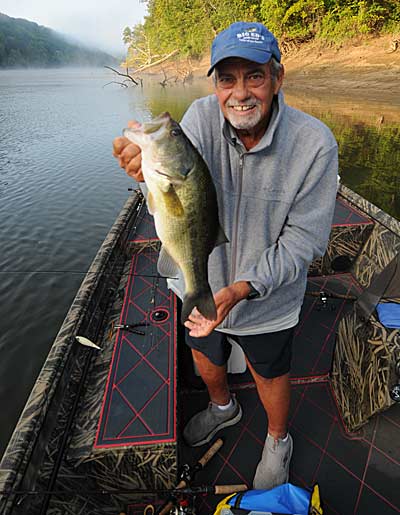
<point>129,155</point>
<point>225,299</point>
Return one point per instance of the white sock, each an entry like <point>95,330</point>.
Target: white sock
<point>281,439</point>
<point>225,406</point>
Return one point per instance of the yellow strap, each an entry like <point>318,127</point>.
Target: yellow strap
<point>223,504</point>
<point>316,508</point>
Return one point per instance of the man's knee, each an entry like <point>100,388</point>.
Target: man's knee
<point>204,364</point>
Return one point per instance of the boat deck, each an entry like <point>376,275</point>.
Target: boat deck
<point>358,473</point>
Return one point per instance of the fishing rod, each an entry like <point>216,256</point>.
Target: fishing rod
<point>182,489</point>
<point>323,295</point>
<point>194,490</point>
<point>188,474</point>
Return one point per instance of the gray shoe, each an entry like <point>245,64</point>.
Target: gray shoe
<point>273,469</point>
<point>204,425</point>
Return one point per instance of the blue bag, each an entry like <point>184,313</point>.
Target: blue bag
<point>286,499</point>
<point>389,314</point>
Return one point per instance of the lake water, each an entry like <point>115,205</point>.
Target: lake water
<point>61,190</point>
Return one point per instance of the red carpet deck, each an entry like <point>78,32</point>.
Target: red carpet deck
<point>140,405</point>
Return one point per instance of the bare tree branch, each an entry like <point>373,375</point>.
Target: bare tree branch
<point>123,74</point>
<point>147,66</point>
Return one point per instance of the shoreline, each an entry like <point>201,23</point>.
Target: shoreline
<point>361,75</point>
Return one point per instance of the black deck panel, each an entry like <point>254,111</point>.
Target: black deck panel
<point>144,229</point>
<point>316,332</point>
<point>345,214</point>
<point>358,474</point>
<point>140,405</point>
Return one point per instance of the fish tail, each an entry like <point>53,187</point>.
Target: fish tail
<point>203,301</point>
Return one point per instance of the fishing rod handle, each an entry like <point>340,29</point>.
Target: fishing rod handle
<point>181,484</point>
<point>216,446</point>
<point>230,489</point>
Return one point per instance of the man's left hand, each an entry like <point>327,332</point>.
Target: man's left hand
<point>225,299</point>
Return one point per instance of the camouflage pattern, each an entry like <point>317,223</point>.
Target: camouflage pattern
<point>55,430</point>
<point>383,243</point>
<point>343,241</point>
<point>364,368</point>
<point>366,352</point>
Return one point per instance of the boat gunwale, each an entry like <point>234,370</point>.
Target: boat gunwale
<point>371,210</point>
<point>27,430</point>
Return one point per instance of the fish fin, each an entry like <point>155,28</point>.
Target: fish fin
<point>172,202</point>
<point>166,266</point>
<point>151,205</point>
<point>221,236</point>
<point>203,301</point>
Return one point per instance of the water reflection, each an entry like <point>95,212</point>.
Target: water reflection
<point>173,98</point>
<point>369,156</point>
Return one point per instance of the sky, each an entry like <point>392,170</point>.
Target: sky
<point>98,23</point>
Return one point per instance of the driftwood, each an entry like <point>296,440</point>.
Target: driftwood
<point>159,61</point>
<point>136,81</point>
<point>163,83</point>
<point>127,75</point>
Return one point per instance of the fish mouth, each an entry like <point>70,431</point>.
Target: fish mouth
<point>148,131</point>
<point>155,126</point>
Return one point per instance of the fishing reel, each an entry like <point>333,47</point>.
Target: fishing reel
<point>322,304</point>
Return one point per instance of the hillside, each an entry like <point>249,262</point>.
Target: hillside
<point>362,74</point>
<point>26,44</point>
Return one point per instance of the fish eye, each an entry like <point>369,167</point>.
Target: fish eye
<point>176,132</point>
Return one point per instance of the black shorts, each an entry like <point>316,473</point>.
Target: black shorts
<point>269,353</point>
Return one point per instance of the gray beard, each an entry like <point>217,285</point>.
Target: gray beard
<point>238,122</point>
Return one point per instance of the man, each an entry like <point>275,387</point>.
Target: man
<point>275,171</point>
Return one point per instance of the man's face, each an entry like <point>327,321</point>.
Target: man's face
<point>245,91</point>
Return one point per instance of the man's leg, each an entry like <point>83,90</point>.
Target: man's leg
<point>214,377</point>
<point>275,397</point>
<point>273,468</point>
<point>222,411</point>
<point>268,357</point>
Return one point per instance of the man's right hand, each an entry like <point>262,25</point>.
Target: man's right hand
<point>129,155</point>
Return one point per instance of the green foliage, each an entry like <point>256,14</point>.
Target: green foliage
<point>23,43</point>
<point>349,18</point>
<point>186,25</point>
<point>190,25</point>
<point>292,18</point>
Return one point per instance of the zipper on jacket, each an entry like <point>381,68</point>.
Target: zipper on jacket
<point>235,228</point>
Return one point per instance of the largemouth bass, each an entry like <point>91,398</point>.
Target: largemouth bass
<point>183,201</point>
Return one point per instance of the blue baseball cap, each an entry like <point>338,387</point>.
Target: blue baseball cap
<point>251,41</point>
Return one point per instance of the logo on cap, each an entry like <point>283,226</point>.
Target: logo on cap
<point>250,36</point>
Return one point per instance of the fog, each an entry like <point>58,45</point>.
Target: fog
<point>94,23</point>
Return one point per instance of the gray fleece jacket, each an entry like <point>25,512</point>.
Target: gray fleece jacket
<point>276,205</point>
